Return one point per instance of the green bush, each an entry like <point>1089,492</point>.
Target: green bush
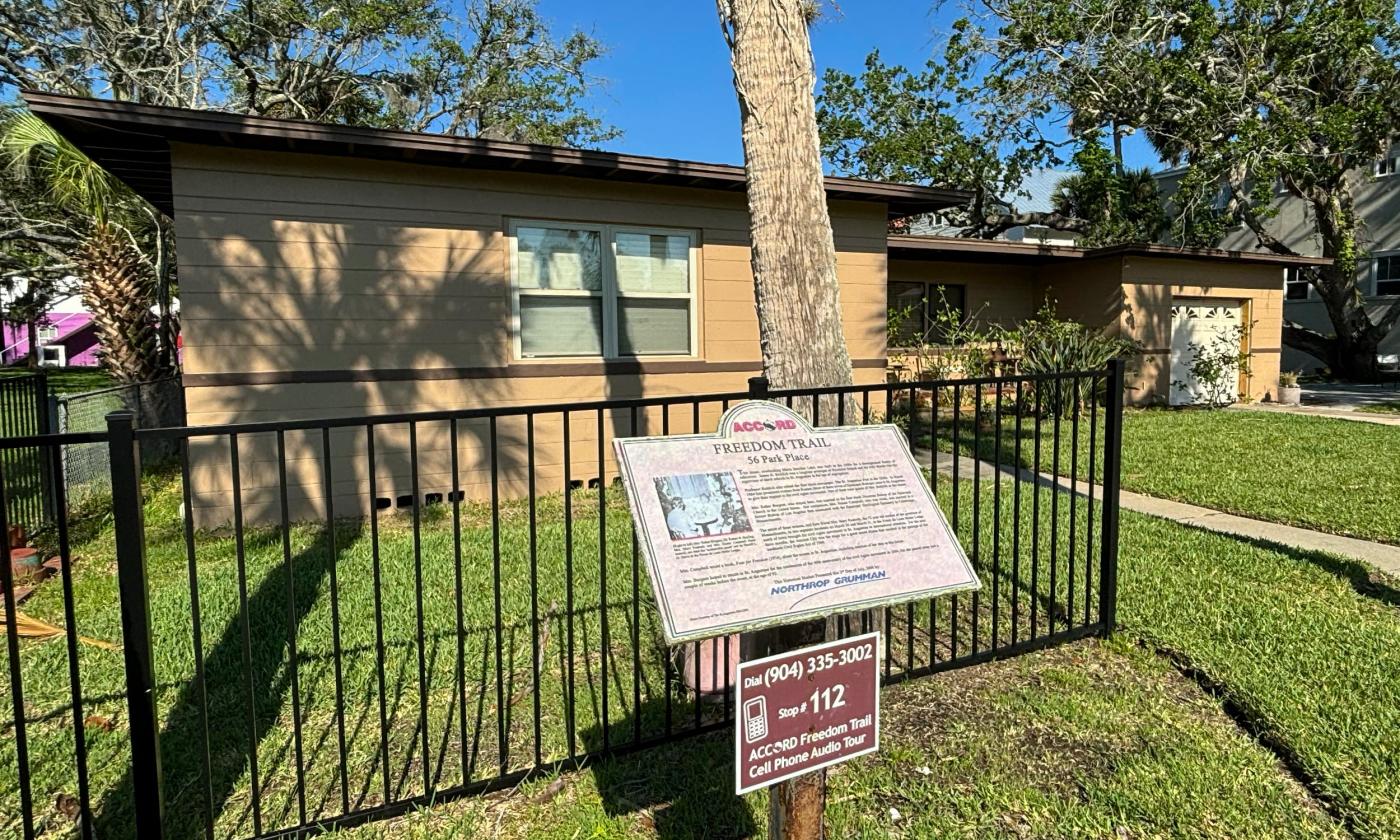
<point>1047,344</point>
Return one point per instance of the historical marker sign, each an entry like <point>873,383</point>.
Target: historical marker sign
<point>805,710</point>
<point>770,521</point>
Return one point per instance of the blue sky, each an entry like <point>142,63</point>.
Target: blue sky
<point>669,87</point>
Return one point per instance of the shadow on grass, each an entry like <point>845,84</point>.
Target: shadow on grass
<point>230,684</point>
<point>680,790</point>
<point>1364,579</point>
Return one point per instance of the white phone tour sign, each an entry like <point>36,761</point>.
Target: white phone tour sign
<point>770,521</point>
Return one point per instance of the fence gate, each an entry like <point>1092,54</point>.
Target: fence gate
<point>330,621</point>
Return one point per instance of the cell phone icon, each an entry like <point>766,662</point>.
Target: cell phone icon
<point>755,719</point>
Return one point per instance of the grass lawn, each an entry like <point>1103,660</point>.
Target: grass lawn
<point>1304,649</point>
<point>601,672</point>
<point>72,380</point>
<point>1314,472</point>
<point>1381,408</point>
<point>1088,740</point>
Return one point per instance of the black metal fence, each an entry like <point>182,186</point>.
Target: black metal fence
<point>331,621</point>
<point>24,412</point>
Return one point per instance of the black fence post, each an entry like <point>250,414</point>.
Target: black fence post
<point>1112,466</point>
<point>758,387</point>
<point>41,403</point>
<point>125,461</point>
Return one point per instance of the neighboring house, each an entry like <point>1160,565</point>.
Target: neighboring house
<point>1377,194</point>
<point>1165,298</point>
<point>333,271</point>
<point>66,336</point>
<point>1036,194</point>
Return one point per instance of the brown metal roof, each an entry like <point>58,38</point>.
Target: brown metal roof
<point>132,142</point>
<point>995,250</point>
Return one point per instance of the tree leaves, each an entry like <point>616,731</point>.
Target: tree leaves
<point>479,68</point>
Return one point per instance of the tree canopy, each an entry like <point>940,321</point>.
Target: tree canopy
<point>479,68</point>
<point>1253,98</point>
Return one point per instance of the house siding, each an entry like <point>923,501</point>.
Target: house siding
<point>298,268</point>
<point>1129,296</point>
<point>996,294</point>
<point>1151,284</point>
<point>75,334</point>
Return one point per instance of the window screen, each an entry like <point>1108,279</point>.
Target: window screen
<point>606,291</point>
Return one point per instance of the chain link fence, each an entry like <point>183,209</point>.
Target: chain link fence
<point>85,466</point>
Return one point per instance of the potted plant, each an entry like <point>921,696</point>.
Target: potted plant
<point>1288,391</point>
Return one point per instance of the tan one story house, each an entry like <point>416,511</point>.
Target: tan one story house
<point>1167,299</point>
<point>332,271</point>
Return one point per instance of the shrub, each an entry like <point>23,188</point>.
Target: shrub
<point>1047,344</point>
<point>952,345</point>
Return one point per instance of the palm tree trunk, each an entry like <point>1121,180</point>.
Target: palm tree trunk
<point>793,253</point>
<point>118,288</point>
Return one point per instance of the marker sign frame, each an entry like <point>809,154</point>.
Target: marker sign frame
<point>805,710</point>
<point>770,521</point>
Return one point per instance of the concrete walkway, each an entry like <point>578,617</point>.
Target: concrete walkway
<point>1322,411</point>
<point>1384,557</point>
<point>1339,400</point>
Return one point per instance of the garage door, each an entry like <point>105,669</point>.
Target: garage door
<point>1210,327</point>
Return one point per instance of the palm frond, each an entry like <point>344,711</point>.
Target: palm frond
<point>33,152</point>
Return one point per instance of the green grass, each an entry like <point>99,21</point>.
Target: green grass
<point>1392,407</point>
<point>1305,648</point>
<point>1313,472</point>
<point>1089,740</point>
<point>459,747</point>
<point>1081,741</point>
<point>71,380</point>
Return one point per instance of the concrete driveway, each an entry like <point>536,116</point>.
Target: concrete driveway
<point>1349,396</point>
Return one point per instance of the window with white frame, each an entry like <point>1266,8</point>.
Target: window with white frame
<point>47,333</point>
<point>602,290</point>
<point>1385,166</point>
<point>1387,275</point>
<point>1295,285</point>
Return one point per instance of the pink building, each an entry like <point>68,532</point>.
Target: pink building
<point>66,338</point>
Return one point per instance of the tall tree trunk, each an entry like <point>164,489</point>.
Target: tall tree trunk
<point>118,289</point>
<point>32,329</point>
<point>793,253</point>
<point>1350,353</point>
<point>796,290</point>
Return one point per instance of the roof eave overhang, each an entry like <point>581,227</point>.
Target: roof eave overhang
<point>1029,253</point>
<point>133,143</point>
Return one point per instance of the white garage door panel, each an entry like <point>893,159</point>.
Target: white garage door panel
<point>1206,324</point>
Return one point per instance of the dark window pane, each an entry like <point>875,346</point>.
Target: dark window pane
<point>1294,286</point>
<point>1388,275</point>
<point>910,297</point>
<point>944,303</point>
